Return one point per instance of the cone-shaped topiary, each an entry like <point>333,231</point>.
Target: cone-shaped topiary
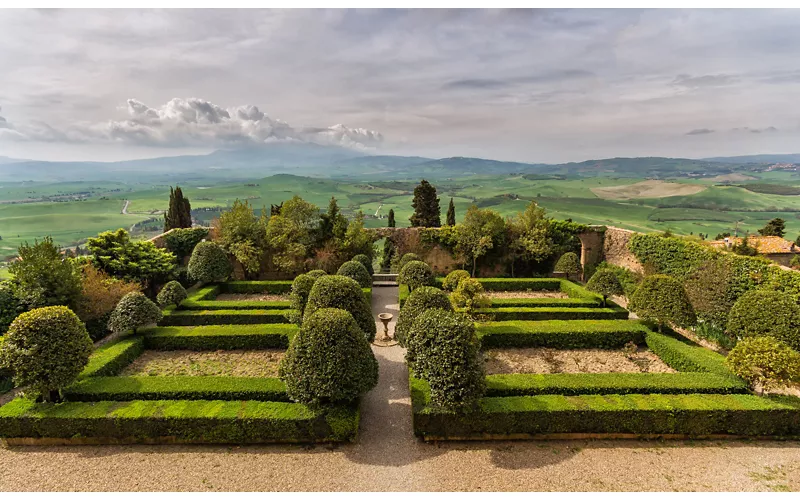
<point>329,361</point>
<point>415,274</point>
<point>444,350</point>
<point>209,263</point>
<point>452,280</point>
<point>365,261</point>
<point>301,288</point>
<point>405,259</point>
<point>765,362</point>
<point>605,283</point>
<point>341,292</point>
<point>569,264</point>
<point>420,300</point>
<point>761,313</point>
<point>356,271</point>
<point>173,293</point>
<point>46,348</point>
<point>133,311</point>
<point>662,299</point>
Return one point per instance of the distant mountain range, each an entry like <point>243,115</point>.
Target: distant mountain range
<point>336,162</point>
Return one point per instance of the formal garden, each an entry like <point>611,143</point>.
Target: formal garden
<point>189,343</point>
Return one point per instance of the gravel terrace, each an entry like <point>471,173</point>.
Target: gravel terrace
<point>262,297</point>
<point>237,363</point>
<point>547,360</point>
<point>527,295</point>
<point>389,458</point>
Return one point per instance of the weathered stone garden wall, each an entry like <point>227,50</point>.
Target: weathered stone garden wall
<point>615,249</point>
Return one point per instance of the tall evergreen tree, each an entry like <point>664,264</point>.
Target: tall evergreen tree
<point>451,214</point>
<point>426,206</point>
<point>179,213</point>
<point>392,223</point>
<point>333,224</point>
<point>775,227</point>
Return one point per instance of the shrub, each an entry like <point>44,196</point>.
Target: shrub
<point>365,261</point>
<point>420,300</point>
<point>209,263</point>
<point>181,241</point>
<point>662,299</point>
<point>10,306</point>
<point>357,271</point>
<point>470,296</point>
<point>100,294</point>
<point>444,350</point>
<point>795,262</point>
<point>341,292</point>
<point>415,274</point>
<point>605,283</point>
<point>452,280</point>
<point>301,288</point>
<point>316,273</point>
<point>44,277</point>
<point>405,259</point>
<point>628,279</point>
<point>116,254</point>
<point>765,362</point>
<point>766,313</point>
<point>709,291</point>
<point>569,264</point>
<point>329,361</point>
<point>46,348</point>
<point>173,293</point>
<point>133,311</point>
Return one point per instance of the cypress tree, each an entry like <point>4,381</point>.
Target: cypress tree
<point>179,213</point>
<point>451,214</point>
<point>393,224</point>
<point>426,206</point>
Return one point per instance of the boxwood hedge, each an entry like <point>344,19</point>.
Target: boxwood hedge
<point>563,334</point>
<point>223,337</point>
<point>223,317</point>
<point>546,313</point>
<point>111,358</point>
<point>178,387</point>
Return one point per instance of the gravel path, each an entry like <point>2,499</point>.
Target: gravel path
<point>389,458</point>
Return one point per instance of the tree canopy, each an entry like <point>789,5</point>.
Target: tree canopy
<point>426,206</point>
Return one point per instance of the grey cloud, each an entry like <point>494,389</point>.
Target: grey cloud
<point>3,122</point>
<point>476,83</point>
<point>755,130</point>
<point>700,131</point>
<point>695,82</point>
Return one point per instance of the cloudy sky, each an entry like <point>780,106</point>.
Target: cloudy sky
<point>537,86</point>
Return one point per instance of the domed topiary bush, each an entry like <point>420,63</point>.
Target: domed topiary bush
<point>356,271</point>
<point>133,311</point>
<point>662,299</point>
<point>760,313</point>
<point>415,274</point>
<point>173,293</point>
<point>341,292</point>
<point>605,283</point>
<point>405,259</point>
<point>209,263</point>
<point>46,348</point>
<point>301,288</point>
<point>444,350</point>
<point>316,273</point>
<point>470,296</point>
<point>365,261</point>
<point>329,361</point>
<point>765,362</point>
<point>420,300</point>
<point>569,264</point>
<point>452,280</point>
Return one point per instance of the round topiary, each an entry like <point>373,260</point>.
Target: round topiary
<point>209,263</point>
<point>133,311</point>
<point>569,264</point>
<point>761,313</point>
<point>341,292</point>
<point>662,299</point>
<point>365,261</point>
<point>329,361</point>
<point>470,296</point>
<point>452,280</point>
<point>46,348</point>
<point>405,259</point>
<point>172,293</point>
<point>765,362</point>
<point>356,271</point>
<point>301,287</point>
<point>316,273</point>
<point>420,300</point>
<point>444,350</point>
<point>415,274</point>
<point>606,284</point>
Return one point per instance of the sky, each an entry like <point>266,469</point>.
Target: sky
<point>523,85</point>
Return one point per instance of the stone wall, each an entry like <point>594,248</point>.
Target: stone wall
<point>615,249</point>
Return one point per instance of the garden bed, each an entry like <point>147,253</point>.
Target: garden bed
<point>237,363</point>
<point>251,297</point>
<point>549,360</point>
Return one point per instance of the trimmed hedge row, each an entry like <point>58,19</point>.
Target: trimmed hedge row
<point>543,302</point>
<point>578,295</point>
<point>564,334</point>
<point>639,414</point>
<point>222,337</point>
<point>179,387</point>
<point>548,313</point>
<point>685,357</point>
<point>178,421</point>
<point>204,299</point>
<point>573,384</point>
<point>224,317</point>
<point>111,358</point>
<point>245,287</point>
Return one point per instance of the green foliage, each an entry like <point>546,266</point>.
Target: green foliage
<point>444,350</point>
<point>569,264</point>
<point>470,296</point>
<point>426,206</point>
<point>451,214</point>
<point>268,287</point>
<point>685,356</point>
<point>341,292</point>
<point>179,213</point>
<point>219,337</point>
<point>391,222</point>
<point>100,294</point>
<point>133,311</point>
<point>111,358</point>
<point>605,283</point>
<point>365,261</point>
<point>481,230</point>
<point>765,362</point>
<point>301,288</point>
<point>46,348</point>
<point>775,227</point>
<point>116,254</point>
<point>356,270</point>
<point>743,248</point>
<point>389,253</point>
<point>561,313</point>
<point>10,305</point>
<point>405,259</point>
<point>291,234</point>
<point>209,263</point>
<point>670,256</point>
<point>329,361</point>
<point>420,300</point>
<point>177,387</point>
<point>415,274</point>
<point>173,293</point>
<point>529,235</point>
<point>627,278</point>
<point>224,317</point>
<point>452,280</point>
<point>333,224</point>
<point>182,241</point>
<point>357,240</point>
<point>709,291</point>
<point>243,234</point>
<point>662,299</point>
<point>795,262</point>
<point>573,334</point>
<point>44,277</point>
<point>766,313</point>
